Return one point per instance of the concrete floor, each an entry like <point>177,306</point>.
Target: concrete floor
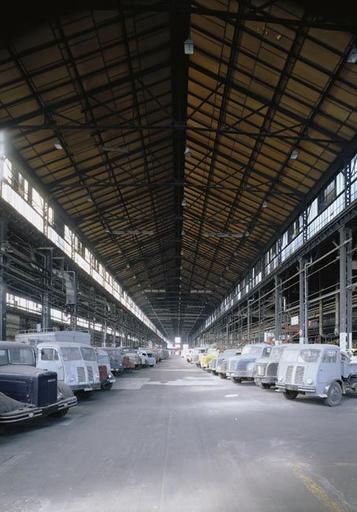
<point>175,439</point>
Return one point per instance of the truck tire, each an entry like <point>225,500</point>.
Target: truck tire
<point>266,386</point>
<point>237,380</point>
<point>334,395</point>
<point>223,375</point>
<point>290,394</point>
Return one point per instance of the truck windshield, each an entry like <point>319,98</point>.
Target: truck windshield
<point>88,354</point>
<point>21,355</point>
<point>275,353</point>
<point>266,352</point>
<point>3,357</point>
<point>309,355</point>
<point>289,355</point>
<point>71,354</point>
<point>252,351</point>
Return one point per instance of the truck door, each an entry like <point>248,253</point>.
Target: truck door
<point>329,368</point>
<point>50,360</point>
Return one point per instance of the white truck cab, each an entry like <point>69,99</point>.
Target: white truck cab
<point>322,371</point>
<point>75,363</point>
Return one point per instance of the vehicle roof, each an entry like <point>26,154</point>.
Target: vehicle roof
<point>13,344</point>
<point>311,345</point>
<point>257,345</point>
<point>61,344</point>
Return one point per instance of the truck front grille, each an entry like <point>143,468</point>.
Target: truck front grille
<point>299,375</point>
<point>103,373</point>
<point>289,375</point>
<point>231,365</point>
<point>272,370</point>
<point>90,373</point>
<point>47,389</point>
<point>260,370</point>
<point>81,374</point>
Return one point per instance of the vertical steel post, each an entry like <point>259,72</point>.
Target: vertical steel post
<point>47,281</point>
<point>345,272</point>
<point>248,318</point>
<point>278,307</point>
<point>321,319</point>
<point>303,301</point>
<point>3,285</point>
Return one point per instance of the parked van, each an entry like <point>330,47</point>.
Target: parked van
<point>322,371</point>
<point>75,363</point>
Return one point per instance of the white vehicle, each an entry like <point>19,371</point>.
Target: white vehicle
<point>105,375</point>
<point>266,370</point>
<point>322,371</point>
<point>151,359</point>
<point>242,367</point>
<point>148,358</point>
<point>75,363</point>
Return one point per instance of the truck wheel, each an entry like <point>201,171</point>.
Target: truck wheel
<point>223,375</point>
<point>266,386</point>
<point>59,414</point>
<point>334,395</point>
<point>290,395</point>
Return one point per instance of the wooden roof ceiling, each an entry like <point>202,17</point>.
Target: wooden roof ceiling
<point>201,143</point>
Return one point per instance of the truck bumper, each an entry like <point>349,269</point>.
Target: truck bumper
<point>265,380</point>
<point>20,415</point>
<point>65,403</point>
<point>85,387</point>
<point>308,390</point>
<point>28,413</point>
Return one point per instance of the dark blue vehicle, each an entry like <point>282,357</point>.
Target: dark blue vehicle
<point>27,392</point>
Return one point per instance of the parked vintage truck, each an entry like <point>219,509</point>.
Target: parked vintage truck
<point>266,369</point>
<point>75,364</point>
<point>69,354</point>
<point>27,392</point>
<point>322,371</point>
<point>242,367</point>
<point>105,375</point>
<point>116,360</point>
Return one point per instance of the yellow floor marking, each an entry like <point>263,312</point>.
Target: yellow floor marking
<point>318,491</point>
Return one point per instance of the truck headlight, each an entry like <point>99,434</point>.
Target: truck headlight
<point>280,379</point>
<point>309,381</point>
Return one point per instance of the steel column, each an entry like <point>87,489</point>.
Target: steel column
<point>278,307</point>
<point>47,280</point>
<point>345,288</point>
<point>321,319</point>
<point>303,301</point>
<point>3,285</point>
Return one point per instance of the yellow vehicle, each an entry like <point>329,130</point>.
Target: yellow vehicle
<point>208,357</point>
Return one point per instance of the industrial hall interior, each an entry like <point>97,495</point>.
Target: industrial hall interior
<point>178,256</point>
